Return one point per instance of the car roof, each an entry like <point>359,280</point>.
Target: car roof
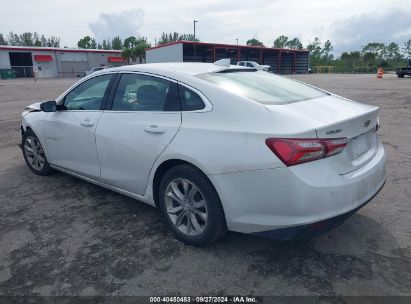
<point>187,68</point>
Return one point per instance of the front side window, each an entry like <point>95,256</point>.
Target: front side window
<point>88,95</point>
<point>263,87</point>
<point>250,65</point>
<point>136,92</point>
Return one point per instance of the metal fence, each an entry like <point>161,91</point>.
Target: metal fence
<point>30,72</point>
<point>23,71</point>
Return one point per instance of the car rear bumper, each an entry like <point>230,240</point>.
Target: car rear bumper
<point>304,232</point>
<point>296,197</point>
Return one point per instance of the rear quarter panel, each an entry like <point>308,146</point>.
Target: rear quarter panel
<point>231,137</point>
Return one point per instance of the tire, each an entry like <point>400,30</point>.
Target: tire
<point>191,207</point>
<point>401,75</point>
<point>36,161</point>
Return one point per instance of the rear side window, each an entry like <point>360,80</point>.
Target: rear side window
<point>263,87</point>
<point>137,92</point>
<point>190,101</point>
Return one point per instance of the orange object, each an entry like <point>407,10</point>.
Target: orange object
<point>380,72</point>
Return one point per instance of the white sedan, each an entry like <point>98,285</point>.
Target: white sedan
<point>255,65</point>
<point>215,147</point>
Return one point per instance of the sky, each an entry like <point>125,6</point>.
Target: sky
<point>349,24</point>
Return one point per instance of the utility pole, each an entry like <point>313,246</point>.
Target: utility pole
<point>237,41</point>
<point>195,55</point>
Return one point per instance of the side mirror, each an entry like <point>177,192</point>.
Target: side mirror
<point>48,106</point>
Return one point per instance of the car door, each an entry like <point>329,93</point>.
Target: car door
<point>143,119</point>
<point>69,131</point>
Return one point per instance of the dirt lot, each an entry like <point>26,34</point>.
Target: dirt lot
<point>62,236</point>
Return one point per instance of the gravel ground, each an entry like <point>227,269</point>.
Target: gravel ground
<point>62,236</point>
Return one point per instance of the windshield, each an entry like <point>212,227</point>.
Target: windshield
<point>263,87</point>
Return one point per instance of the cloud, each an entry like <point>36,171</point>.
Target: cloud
<point>385,26</point>
<point>123,24</point>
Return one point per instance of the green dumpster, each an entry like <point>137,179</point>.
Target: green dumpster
<point>7,74</point>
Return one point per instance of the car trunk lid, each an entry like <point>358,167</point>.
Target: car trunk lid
<point>334,117</point>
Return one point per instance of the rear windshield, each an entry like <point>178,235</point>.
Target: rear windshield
<point>263,87</point>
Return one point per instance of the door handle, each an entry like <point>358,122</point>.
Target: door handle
<point>154,129</point>
<point>87,123</point>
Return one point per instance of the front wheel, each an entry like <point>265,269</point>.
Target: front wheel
<point>34,154</point>
<point>191,206</point>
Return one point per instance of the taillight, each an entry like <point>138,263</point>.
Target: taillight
<point>294,151</point>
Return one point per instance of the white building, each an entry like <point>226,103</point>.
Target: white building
<point>55,62</point>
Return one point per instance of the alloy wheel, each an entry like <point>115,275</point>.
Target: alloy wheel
<point>186,207</point>
<point>34,153</point>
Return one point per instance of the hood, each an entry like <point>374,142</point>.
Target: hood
<point>35,107</point>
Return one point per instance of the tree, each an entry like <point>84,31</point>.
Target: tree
<point>138,51</point>
<point>187,37</point>
<point>315,48</point>
<point>344,56</point>
<point>407,48</point>
<point>93,44</point>
<point>378,49</point>
<point>3,41</point>
<point>294,44</point>
<point>127,54</point>
<point>392,52</point>
<point>327,50</point>
<point>141,47</point>
<point>350,59</point>
<point>116,43</point>
<point>106,45</point>
<point>254,42</point>
<point>85,43</point>
<point>36,40</point>
<point>30,39</point>
<point>14,39</point>
<point>130,42</point>
<point>26,39</point>
<point>355,58</point>
<point>53,42</point>
<point>174,37</point>
<point>43,40</point>
<point>368,58</point>
<point>280,42</point>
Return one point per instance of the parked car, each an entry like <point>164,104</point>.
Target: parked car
<point>401,72</point>
<point>95,69</point>
<point>255,65</point>
<point>215,147</point>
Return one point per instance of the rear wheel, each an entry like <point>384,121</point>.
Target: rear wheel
<point>401,75</point>
<point>34,154</point>
<point>191,206</point>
